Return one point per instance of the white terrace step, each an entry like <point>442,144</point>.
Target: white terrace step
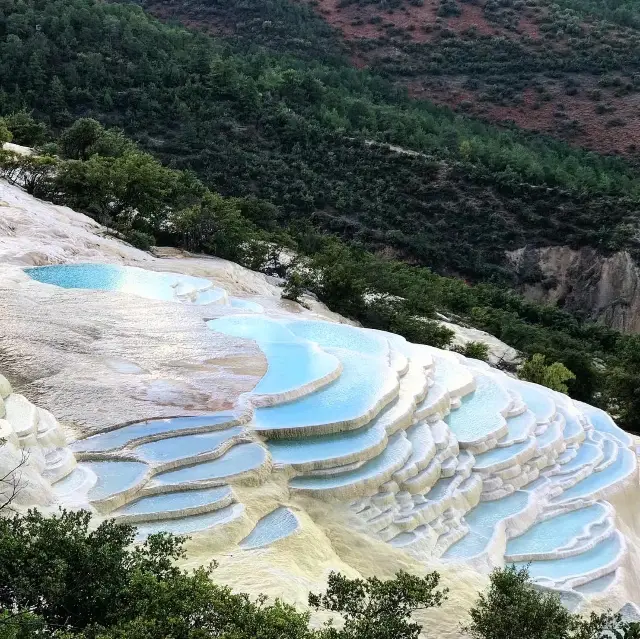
<point>435,405</point>
<point>520,429</point>
<point>307,454</point>
<point>175,505</point>
<point>60,462</point>
<point>580,569</point>
<point>563,534</point>
<point>599,485</point>
<point>365,480</point>
<point>193,523</point>
<point>423,450</point>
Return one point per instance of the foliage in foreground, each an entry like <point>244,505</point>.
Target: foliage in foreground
<point>62,577</point>
<point>512,608</point>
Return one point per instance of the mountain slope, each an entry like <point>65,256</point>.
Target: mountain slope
<point>297,131</point>
<point>569,68</point>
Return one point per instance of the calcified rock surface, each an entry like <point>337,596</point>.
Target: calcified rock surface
<point>295,445</point>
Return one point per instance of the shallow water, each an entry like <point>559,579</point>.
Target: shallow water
<point>191,524</point>
<point>479,414</point>
<point>560,569</point>
<point>114,477</point>
<point>167,450</point>
<point>393,456</point>
<point>175,501</point>
<point>120,437</point>
<point>124,279</point>
<point>356,392</point>
<point>239,459</point>
<point>554,533</point>
<point>278,524</point>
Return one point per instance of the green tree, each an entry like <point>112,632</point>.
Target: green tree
<point>5,134</point>
<point>60,573</point>
<point>26,130</point>
<point>294,288</point>
<point>512,608</point>
<point>215,226</point>
<point>553,376</point>
<point>375,609</point>
<point>474,350</point>
<point>77,141</point>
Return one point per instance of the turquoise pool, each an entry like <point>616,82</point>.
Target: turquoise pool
<point>128,279</point>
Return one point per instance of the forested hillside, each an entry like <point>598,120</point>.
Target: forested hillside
<point>297,131</point>
<point>314,147</point>
<point>569,68</point>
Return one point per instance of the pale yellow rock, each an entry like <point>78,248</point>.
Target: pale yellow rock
<point>22,415</point>
<point>5,387</point>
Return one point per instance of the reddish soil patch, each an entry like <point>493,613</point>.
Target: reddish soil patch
<point>617,131</point>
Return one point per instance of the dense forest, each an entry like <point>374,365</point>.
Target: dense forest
<point>300,133</point>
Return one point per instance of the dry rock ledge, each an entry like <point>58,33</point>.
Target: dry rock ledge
<point>187,396</point>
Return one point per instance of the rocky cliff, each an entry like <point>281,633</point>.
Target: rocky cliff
<point>605,289</point>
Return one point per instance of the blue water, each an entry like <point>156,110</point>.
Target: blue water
<point>597,585</point>
<point>278,524</point>
<point>621,468</point>
<point>77,478</point>
<point>110,277</point>
<point>326,447</point>
<point>290,366</point>
<point>560,569</point>
<point>166,450</point>
<point>210,296</point>
<point>391,457</point>
<point>482,521</point>
<point>587,454</point>
<point>537,399</point>
<point>331,335</point>
<point>122,436</point>
<point>114,477</point>
<point>603,423</point>
<point>193,523</point>
<point>246,305</point>
<point>479,414</point>
<point>520,426</point>
<point>256,327</point>
<point>497,455</point>
<point>554,533</point>
<point>170,502</point>
<point>352,395</point>
<point>238,459</point>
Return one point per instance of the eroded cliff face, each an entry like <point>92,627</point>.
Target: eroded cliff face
<point>605,289</point>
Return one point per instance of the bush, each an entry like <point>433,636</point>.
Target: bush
<point>474,350</point>
<point>139,239</point>
<point>513,608</point>
<point>26,130</point>
<point>552,376</point>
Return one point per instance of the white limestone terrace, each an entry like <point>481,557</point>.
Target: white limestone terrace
<point>482,474</point>
<point>439,459</point>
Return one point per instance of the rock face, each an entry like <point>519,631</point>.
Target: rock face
<point>606,289</point>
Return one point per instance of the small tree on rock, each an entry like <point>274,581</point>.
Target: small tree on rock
<point>553,376</point>
<point>512,608</point>
<point>375,609</point>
